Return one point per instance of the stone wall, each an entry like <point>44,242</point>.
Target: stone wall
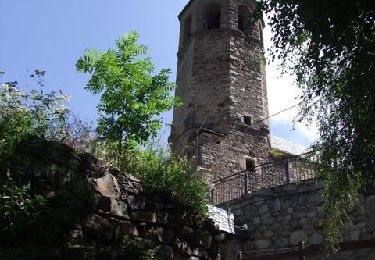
<point>280,217</point>
<point>124,217</point>
<point>126,207</point>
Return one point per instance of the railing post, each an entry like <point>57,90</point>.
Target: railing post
<point>301,247</point>
<point>246,182</point>
<point>287,170</point>
<point>239,255</point>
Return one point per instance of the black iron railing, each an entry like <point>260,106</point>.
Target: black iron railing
<point>262,176</point>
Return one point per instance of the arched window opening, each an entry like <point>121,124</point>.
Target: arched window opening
<point>213,17</point>
<point>187,30</point>
<point>243,18</point>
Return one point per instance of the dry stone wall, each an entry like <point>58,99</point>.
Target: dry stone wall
<point>121,219</point>
<point>280,217</point>
<point>126,207</point>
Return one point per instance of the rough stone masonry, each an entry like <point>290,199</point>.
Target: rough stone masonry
<point>221,81</point>
<point>223,126</point>
<point>280,217</point>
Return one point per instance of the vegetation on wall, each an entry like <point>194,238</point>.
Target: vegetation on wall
<point>131,100</point>
<point>38,176</point>
<point>42,192</point>
<point>330,46</point>
<point>172,174</point>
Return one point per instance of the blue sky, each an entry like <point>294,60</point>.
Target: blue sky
<point>52,35</point>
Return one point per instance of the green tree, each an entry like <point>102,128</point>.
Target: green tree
<point>131,96</point>
<point>330,47</point>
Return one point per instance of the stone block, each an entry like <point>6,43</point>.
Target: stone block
<point>142,216</point>
<point>370,199</point>
<point>136,202</point>
<point>183,246</point>
<point>263,209</point>
<point>303,221</point>
<point>276,205</point>
<point>262,244</point>
<point>284,232</point>
<point>96,226</point>
<point>268,221</point>
<point>297,236</point>
<point>107,186</point>
<point>294,225</point>
<point>316,239</point>
<point>256,220</point>
<point>280,242</point>
<point>113,206</point>
<point>265,215</point>
<point>257,199</point>
<point>164,252</point>
<point>311,214</point>
<point>268,234</point>
<point>290,187</point>
<point>366,236</point>
<point>316,199</point>
<point>129,228</point>
<point>163,235</point>
<point>200,253</point>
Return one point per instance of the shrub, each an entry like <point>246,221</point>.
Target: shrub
<point>172,174</point>
<point>40,192</point>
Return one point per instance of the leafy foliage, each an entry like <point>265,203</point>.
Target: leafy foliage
<point>136,249</point>
<point>79,134</point>
<point>42,193</point>
<point>18,209</point>
<point>330,47</point>
<point>171,174</point>
<point>39,185</point>
<point>29,115</point>
<point>131,96</point>
<point>43,196</point>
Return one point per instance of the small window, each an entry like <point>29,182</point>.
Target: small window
<point>247,120</point>
<point>213,17</point>
<point>247,163</point>
<point>250,164</point>
<point>187,30</point>
<point>243,18</point>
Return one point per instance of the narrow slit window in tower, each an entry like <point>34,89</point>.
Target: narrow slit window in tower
<point>187,30</point>
<point>213,17</point>
<point>260,32</point>
<point>243,18</point>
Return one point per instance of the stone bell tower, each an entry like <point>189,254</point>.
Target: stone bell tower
<point>223,122</point>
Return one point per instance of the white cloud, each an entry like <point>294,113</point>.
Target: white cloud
<point>283,94</point>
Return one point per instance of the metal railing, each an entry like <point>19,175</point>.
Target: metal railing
<point>270,174</point>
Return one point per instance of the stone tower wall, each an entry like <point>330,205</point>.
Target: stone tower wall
<point>221,82</point>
